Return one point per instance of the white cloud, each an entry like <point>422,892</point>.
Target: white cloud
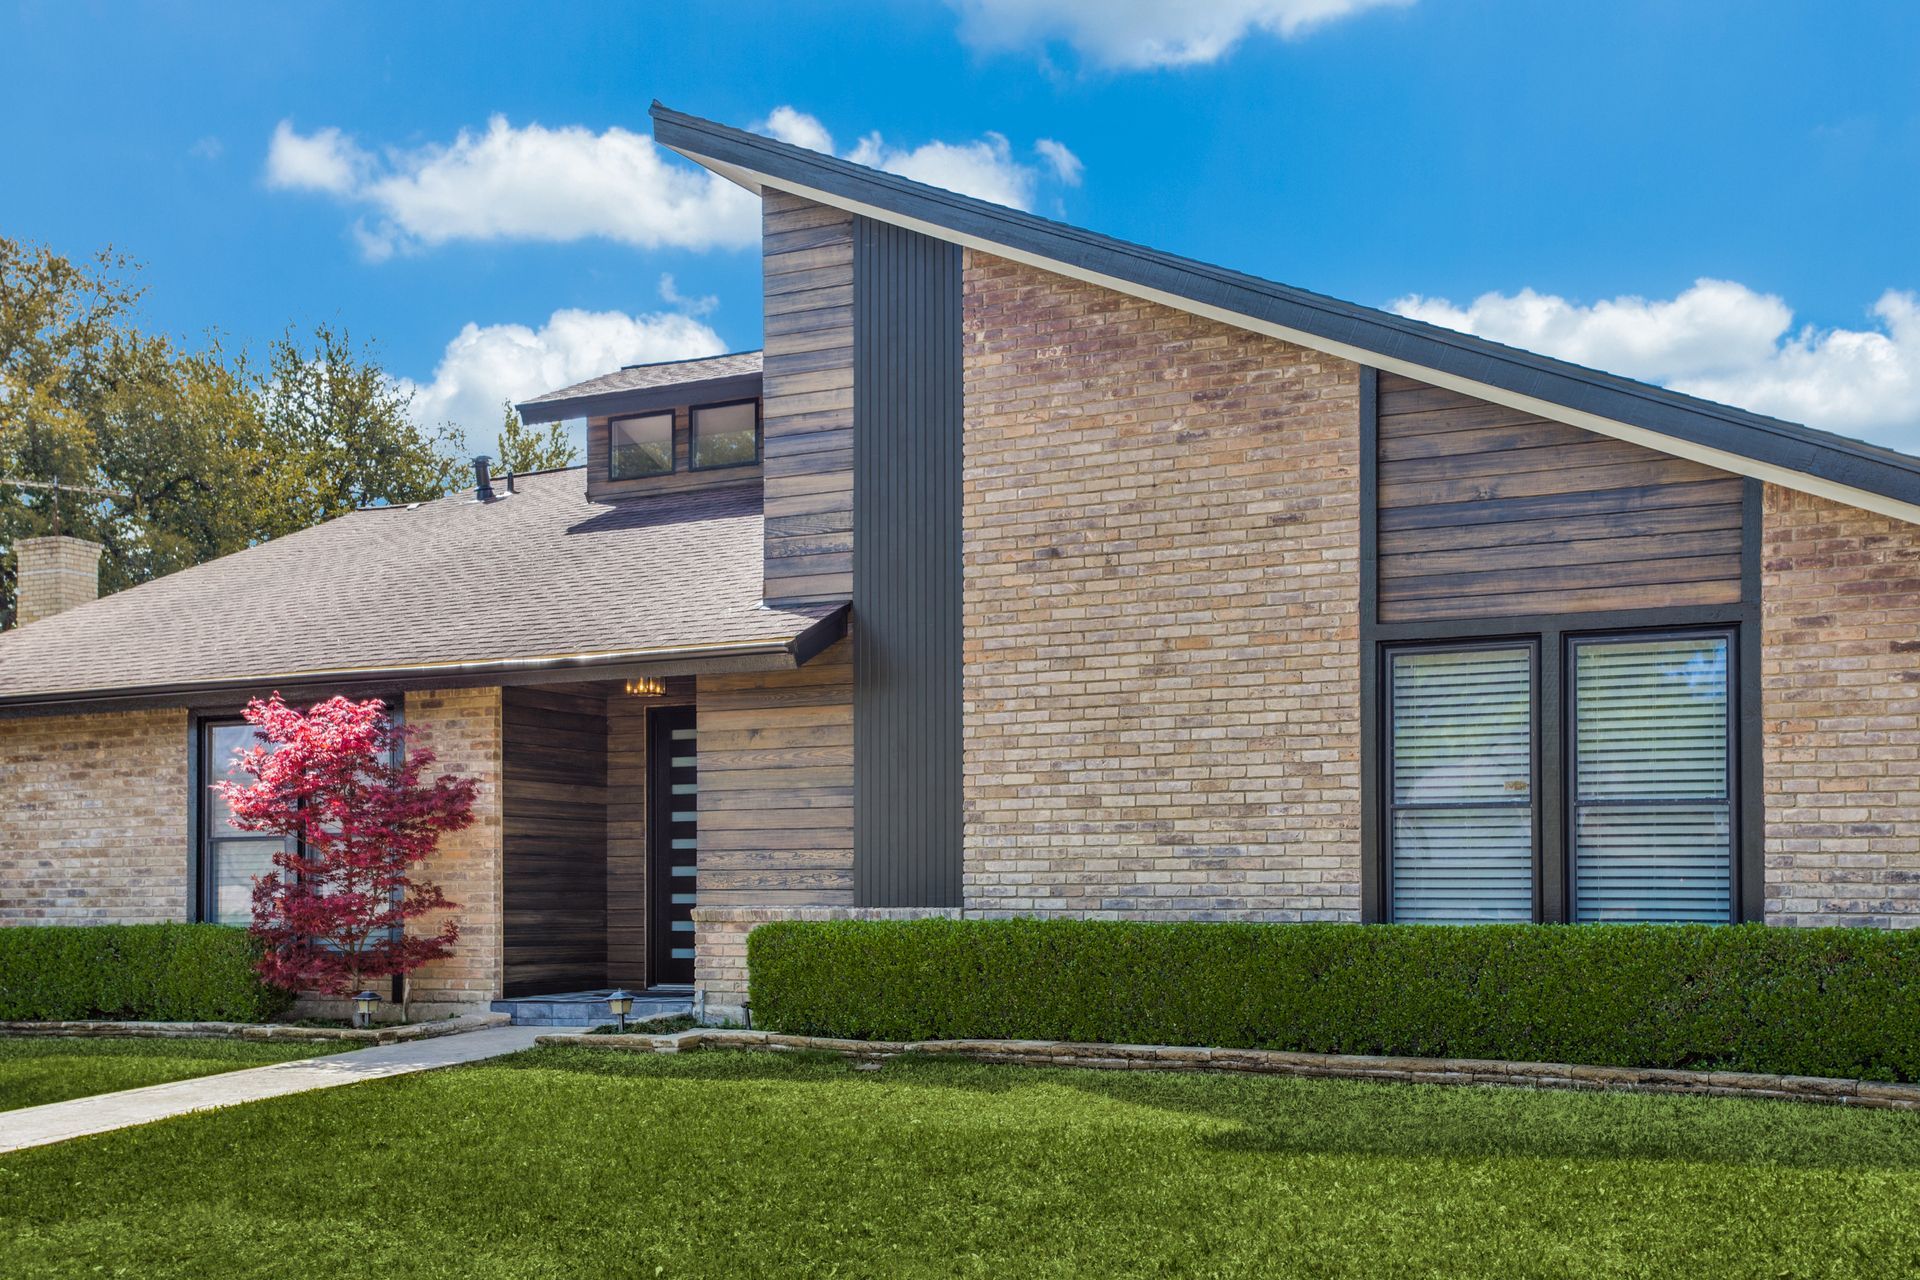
<point>797,128</point>
<point>671,295</point>
<point>984,168</point>
<point>1727,343</point>
<point>208,148</point>
<point>1137,34</point>
<point>518,183</point>
<point>1066,165</point>
<point>325,160</point>
<point>486,365</point>
<point>564,184</point>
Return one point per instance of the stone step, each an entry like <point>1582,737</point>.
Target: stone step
<point>584,1009</point>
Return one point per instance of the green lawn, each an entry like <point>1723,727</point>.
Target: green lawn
<point>586,1162</point>
<point>37,1069</point>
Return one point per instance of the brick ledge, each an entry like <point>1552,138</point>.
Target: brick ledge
<point>1458,1071</point>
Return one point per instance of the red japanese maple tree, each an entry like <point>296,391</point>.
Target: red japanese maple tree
<point>338,780</point>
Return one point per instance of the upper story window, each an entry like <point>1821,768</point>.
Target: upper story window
<point>726,435</point>
<point>640,446</point>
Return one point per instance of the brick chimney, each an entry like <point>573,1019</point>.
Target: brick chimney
<point>55,574</point>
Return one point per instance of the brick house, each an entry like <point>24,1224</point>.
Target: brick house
<point>1030,571</point>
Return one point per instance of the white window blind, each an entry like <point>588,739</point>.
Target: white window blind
<point>1653,812</point>
<point>1460,832</point>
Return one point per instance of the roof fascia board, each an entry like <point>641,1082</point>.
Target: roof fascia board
<point>1592,405</point>
<point>776,655</point>
<point>607,404</point>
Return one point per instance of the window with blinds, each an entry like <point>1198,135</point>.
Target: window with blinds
<point>1460,814</point>
<point>1652,791</point>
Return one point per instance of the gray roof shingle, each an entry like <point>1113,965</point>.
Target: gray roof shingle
<point>646,377</point>
<point>539,575</point>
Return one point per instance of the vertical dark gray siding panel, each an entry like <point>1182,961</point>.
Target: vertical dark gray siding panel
<point>906,568</point>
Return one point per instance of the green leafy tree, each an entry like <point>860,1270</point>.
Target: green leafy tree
<point>526,448</point>
<point>207,454</point>
<point>330,404</point>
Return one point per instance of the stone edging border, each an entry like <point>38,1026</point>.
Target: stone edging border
<point>1467,1071</point>
<point>257,1030</point>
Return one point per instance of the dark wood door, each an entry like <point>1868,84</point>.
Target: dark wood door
<point>673,824</point>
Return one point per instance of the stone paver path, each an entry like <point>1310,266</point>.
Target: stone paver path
<point>78,1117</point>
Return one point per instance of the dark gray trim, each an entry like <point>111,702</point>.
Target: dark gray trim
<point>906,568</point>
<point>1852,463</point>
<point>1552,882</point>
<point>619,404</point>
<point>816,637</point>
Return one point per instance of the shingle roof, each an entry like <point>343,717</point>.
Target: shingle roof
<point>536,576</point>
<point>581,396</point>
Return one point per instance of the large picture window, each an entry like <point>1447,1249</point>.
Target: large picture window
<point>1603,788</point>
<point>229,857</point>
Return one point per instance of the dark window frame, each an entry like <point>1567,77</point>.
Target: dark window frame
<point>673,449</point>
<point>1536,663</point>
<point>1570,726</point>
<point>200,884</point>
<point>693,435</point>
<point>1554,887</point>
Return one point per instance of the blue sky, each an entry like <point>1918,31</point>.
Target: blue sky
<point>1558,175</point>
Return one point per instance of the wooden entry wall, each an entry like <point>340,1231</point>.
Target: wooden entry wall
<point>554,806</point>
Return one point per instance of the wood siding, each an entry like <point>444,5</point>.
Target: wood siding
<point>627,831</point>
<point>602,489</point>
<point>1487,512</point>
<point>554,853</point>
<point>808,399</point>
<point>776,785</point>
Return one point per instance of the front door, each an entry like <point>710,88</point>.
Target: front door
<point>673,822</point>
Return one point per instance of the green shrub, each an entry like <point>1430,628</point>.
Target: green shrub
<point>1830,1002</point>
<point>158,972</point>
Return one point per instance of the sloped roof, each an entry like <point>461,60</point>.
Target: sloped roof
<point>1733,439</point>
<point>630,388</point>
<point>537,579</point>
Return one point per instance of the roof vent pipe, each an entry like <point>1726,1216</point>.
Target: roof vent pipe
<point>482,487</point>
<point>510,488</point>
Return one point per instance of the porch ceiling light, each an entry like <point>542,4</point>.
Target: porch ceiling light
<point>621,1004</point>
<point>363,1005</point>
<point>646,687</point>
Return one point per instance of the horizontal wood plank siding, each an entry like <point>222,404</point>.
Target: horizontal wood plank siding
<point>776,785</point>
<point>554,852</point>
<point>807,266</point>
<point>602,489</point>
<point>1485,511</point>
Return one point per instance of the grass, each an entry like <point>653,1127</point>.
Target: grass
<point>37,1069</point>
<point>575,1161</point>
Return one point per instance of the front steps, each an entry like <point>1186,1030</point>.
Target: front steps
<point>588,1008</point>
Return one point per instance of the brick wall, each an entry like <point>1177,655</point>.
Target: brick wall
<point>1162,694</point>
<point>93,818</point>
<point>464,729</point>
<point>1840,675</point>
<point>55,574</point>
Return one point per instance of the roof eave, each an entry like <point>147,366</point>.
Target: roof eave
<point>607,404</point>
<point>774,654</point>
<point>1731,439</point>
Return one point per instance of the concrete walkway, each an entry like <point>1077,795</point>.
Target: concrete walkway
<point>78,1117</point>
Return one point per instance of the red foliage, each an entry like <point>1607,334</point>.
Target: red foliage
<point>333,913</point>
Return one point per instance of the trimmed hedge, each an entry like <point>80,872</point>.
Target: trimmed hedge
<point>1825,1002</point>
<point>156,972</point>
